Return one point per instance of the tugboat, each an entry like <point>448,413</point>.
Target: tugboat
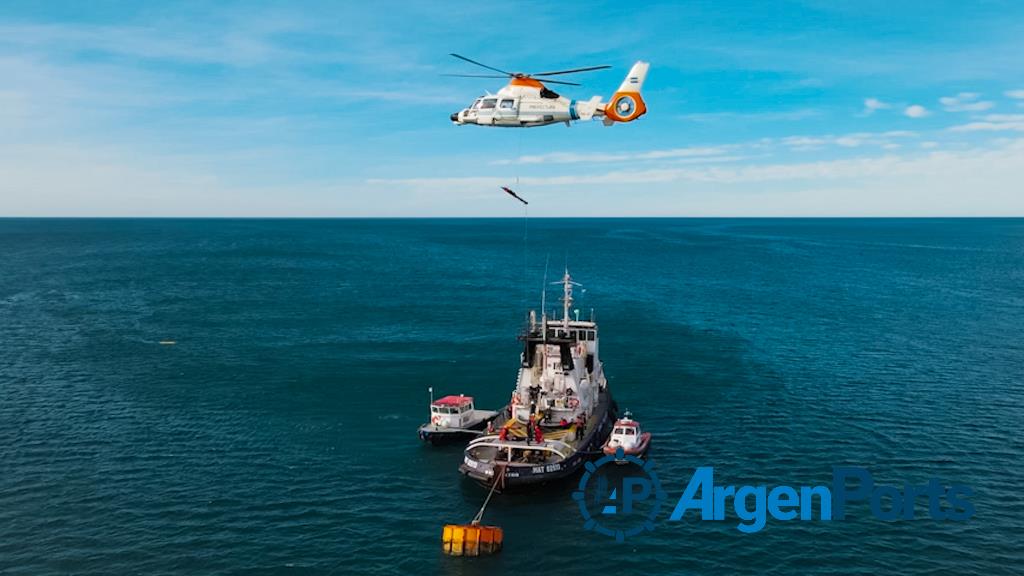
<point>628,436</point>
<point>454,418</point>
<point>560,413</point>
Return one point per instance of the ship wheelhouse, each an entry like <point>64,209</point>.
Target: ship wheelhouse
<point>451,411</point>
<point>561,375</point>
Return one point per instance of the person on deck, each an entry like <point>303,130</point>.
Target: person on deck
<point>503,434</point>
<point>539,435</point>
<point>534,393</point>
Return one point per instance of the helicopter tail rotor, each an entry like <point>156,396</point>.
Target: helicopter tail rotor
<point>626,104</point>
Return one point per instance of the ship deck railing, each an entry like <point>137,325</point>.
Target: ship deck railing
<point>556,447</point>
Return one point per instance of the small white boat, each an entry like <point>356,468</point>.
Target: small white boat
<point>453,418</point>
<point>629,437</point>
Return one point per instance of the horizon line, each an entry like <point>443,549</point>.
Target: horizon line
<point>441,217</point>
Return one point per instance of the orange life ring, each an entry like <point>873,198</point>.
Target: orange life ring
<point>516,398</point>
<point>436,420</point>
<point>573,402</point>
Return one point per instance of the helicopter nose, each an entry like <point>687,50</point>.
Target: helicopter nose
<point>455,116</point>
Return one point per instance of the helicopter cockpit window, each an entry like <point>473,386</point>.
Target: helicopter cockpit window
<point>506,105</point>
<point>488,103</point>
<point>476,105</point>
<point>545,93</point>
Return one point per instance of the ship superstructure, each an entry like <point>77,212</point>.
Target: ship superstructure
<point>560,412</point>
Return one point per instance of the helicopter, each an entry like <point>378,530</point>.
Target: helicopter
<point>526,102</point>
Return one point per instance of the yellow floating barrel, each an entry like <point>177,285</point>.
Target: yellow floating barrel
<point>474,539</point>
<point>471,540</point>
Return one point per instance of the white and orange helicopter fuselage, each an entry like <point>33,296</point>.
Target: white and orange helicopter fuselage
<point>525,102</point>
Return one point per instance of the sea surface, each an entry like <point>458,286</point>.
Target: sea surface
<point>278,434</point>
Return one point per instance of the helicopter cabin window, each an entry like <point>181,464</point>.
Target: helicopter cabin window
<point>549,94</point>
<point>507,104</point>
<point>488,103</point>
<point>476,105</point>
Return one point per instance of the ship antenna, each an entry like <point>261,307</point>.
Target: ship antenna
<point>566,299</point>
<point>567,285</point>
<point>544,299</point>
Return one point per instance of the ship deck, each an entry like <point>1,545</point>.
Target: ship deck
<point>529,463</point>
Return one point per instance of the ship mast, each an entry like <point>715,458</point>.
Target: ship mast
<point>567,284</point>
<point>544,303</point>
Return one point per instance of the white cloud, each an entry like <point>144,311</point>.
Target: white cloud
<point>142,42</point>
<point>720,153</point>
<point>782,115</point>
<point>993,123</point>
<point>965,102</point>
<point>873,104</point>
<point>1017,94</point>
<point>974,182</point>
<point>906,184</point>
<point>1009,154</point>
<point>1003,117</point>
<point>805,142</point>
<point>852,140</point>
<point>916,111</point>
<point>577,157</point>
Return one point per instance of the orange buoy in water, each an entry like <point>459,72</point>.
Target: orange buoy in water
<point>471,540</point>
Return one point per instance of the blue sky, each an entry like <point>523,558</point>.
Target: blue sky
<point>337,109</point>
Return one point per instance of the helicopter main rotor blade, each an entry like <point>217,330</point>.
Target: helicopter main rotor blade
<point>587,69</point>
<point>475,75</point>
<point>481,65</point>
<point>558,82</point>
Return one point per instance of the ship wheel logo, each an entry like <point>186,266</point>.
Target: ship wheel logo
<point>632,504</point>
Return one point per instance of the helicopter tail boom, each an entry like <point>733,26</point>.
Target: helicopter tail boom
<point>587,109</point>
